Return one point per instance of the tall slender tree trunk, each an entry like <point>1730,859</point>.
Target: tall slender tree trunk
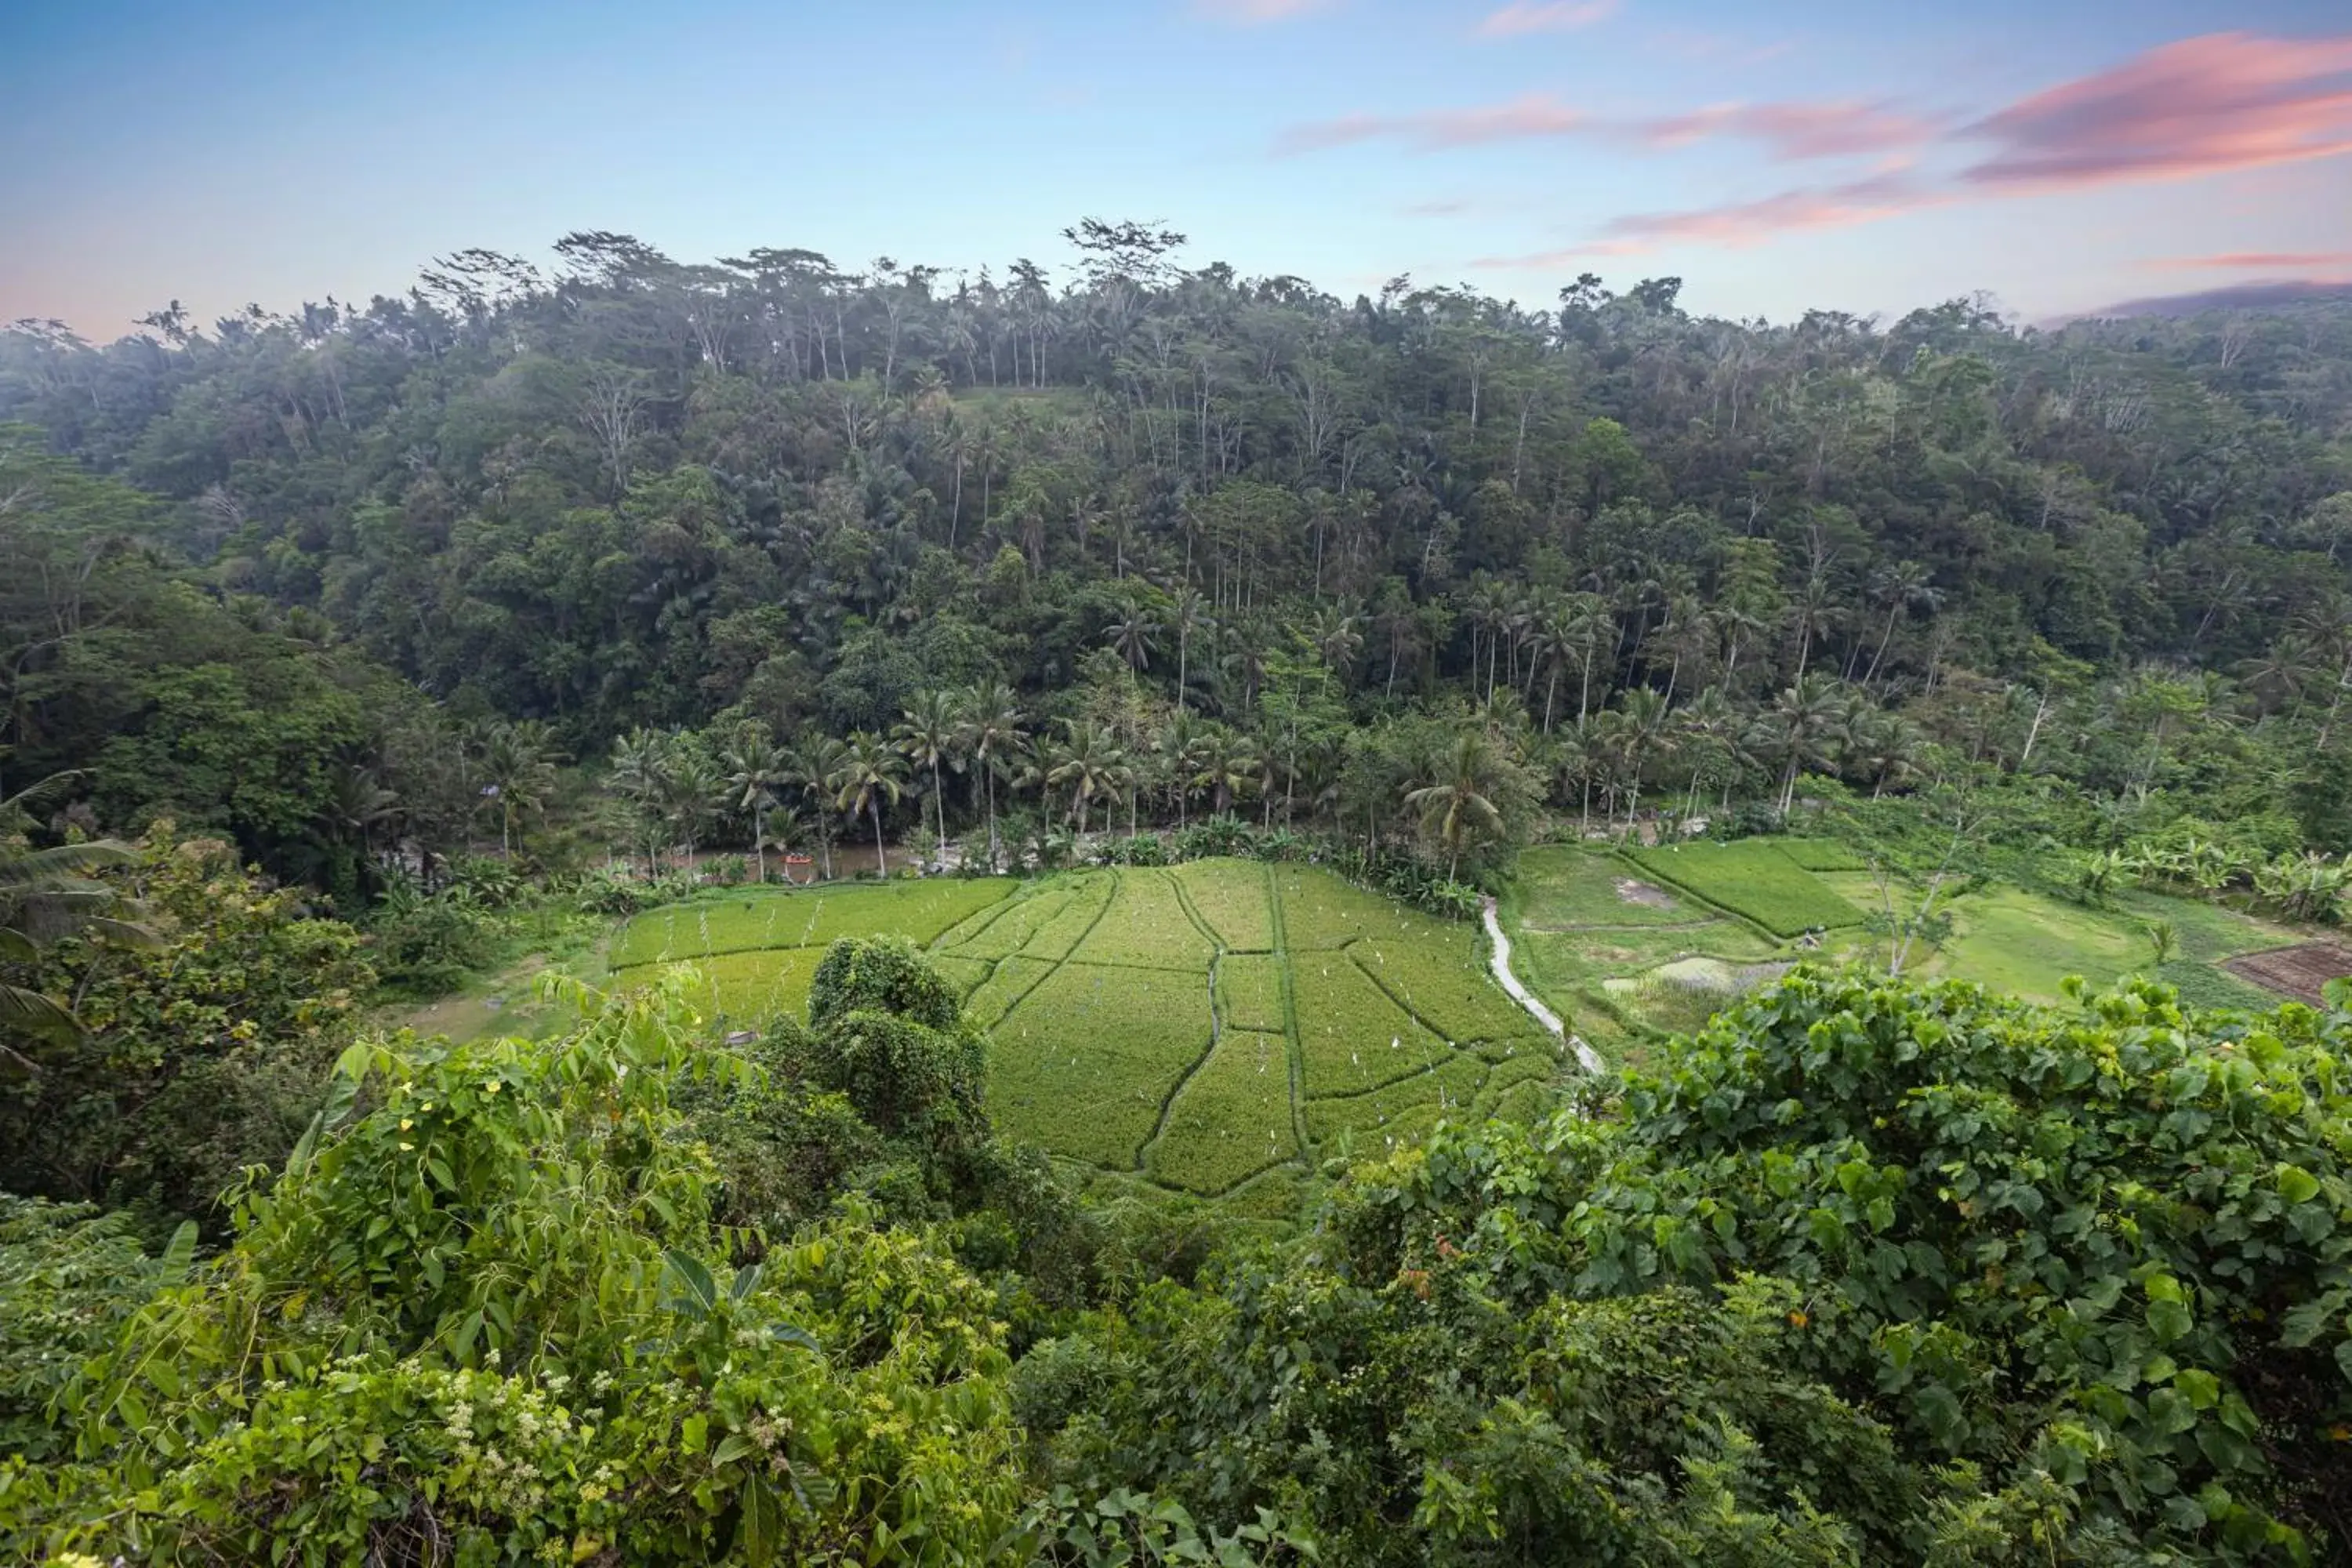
<point>881,859</point>
<point>759,842</point>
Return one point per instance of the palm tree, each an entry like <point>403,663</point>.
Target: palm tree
<point>518,773</point>
<point>46,895</point>
<point>1814,614</point>
<point>1458,804</point>
<point>1133,638</point>
<point>1801,726</point>
<point>1190,616</point>
<point>868,769</point>
<point>989,730</point>
<point>637,763</point>
<point>1224,764</point>
<point>1900,586</point>
<point>813,764</point>
<point>1175,744</point>
<point>357,806</point>
<point>930,736</point>
<point>692,789</point>
<point>1338,635</point>
<point>1088,762</point>
<point>756,768</point>
<point>1707,725</point>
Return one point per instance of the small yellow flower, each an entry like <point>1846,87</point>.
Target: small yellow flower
<point>1798,1319</point>
<point>491,1086</point>
<point>406,1124</point>
<point>404,1147</point>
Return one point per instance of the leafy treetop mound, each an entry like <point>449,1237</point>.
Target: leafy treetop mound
<point>1868,1272</point>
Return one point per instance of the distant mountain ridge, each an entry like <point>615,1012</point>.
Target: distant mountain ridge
<point>2275,294</point>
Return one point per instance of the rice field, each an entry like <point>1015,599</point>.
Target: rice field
<point>1192,1029</point>
<point>1632,947</point>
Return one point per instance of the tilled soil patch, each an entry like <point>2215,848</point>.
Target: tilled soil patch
<point>2298,972</point>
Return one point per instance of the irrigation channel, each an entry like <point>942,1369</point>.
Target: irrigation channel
<point>1586,1055</point>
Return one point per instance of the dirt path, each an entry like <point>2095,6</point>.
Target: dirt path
<point>1589,1059</point>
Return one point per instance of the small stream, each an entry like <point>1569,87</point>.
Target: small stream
<point>1586,1055</point>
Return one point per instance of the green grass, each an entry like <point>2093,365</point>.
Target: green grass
<point>1147,926</point>
<point>1249,990</point>
<point>1084,1063</point>
<point>1561,888</point>
<point>1753,878</point>
<point>1231,1119</point>
<point>756,919</point>
<point>1447,1088</point>
<point>1233,896</point>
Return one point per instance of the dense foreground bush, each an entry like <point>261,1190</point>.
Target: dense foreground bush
<point>1864,1273</point>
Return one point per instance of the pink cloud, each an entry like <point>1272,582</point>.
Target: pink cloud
<point>1255,13</point>
<point>1537,114</point>
<point>2273,260</point>
<point>2200,106</point>
<point>1792,132</point>
<point>1523,16</point>
<point>1797,131</point>
<point>1738,225</point>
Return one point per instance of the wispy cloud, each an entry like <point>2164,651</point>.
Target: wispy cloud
<point>1798,131</point>
<point>1790,132</point>
<point>1523,16</point>
<point>1537,114</point>
<point>2200,106</point>
<point>2250,260</point>
<point>1738,225</point>
<point>1444,209</point>
<point>1257,13</point>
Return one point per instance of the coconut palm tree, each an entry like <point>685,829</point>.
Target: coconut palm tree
<point>988,727</point>
<point>930,735</point>
<point>813,764</point>
<point>1090,764</point>
<point>756,769</point>
<point>1189,619</point>
<point>1135,638</point>
<point>1801,727</point>
<point>1224,763</point>
<point>1457,806</point>
<point>518,766</point>
<point>636,776</point>
<point>1339,638</point>
<point>868,769</point>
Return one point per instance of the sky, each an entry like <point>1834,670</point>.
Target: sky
<point>2059,155</point>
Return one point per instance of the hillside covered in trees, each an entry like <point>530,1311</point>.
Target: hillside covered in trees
<point>1653,552</point>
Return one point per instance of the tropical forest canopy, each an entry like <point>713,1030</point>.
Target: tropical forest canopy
<point>1196,1203</point>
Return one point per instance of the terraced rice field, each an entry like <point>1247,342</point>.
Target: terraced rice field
<point>1755,880</point>
<point>1632,947</point>
<point>1202,1029</point>
<point>1198,1026</point>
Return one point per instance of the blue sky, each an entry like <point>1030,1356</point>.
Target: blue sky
<point>1865,157</point>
